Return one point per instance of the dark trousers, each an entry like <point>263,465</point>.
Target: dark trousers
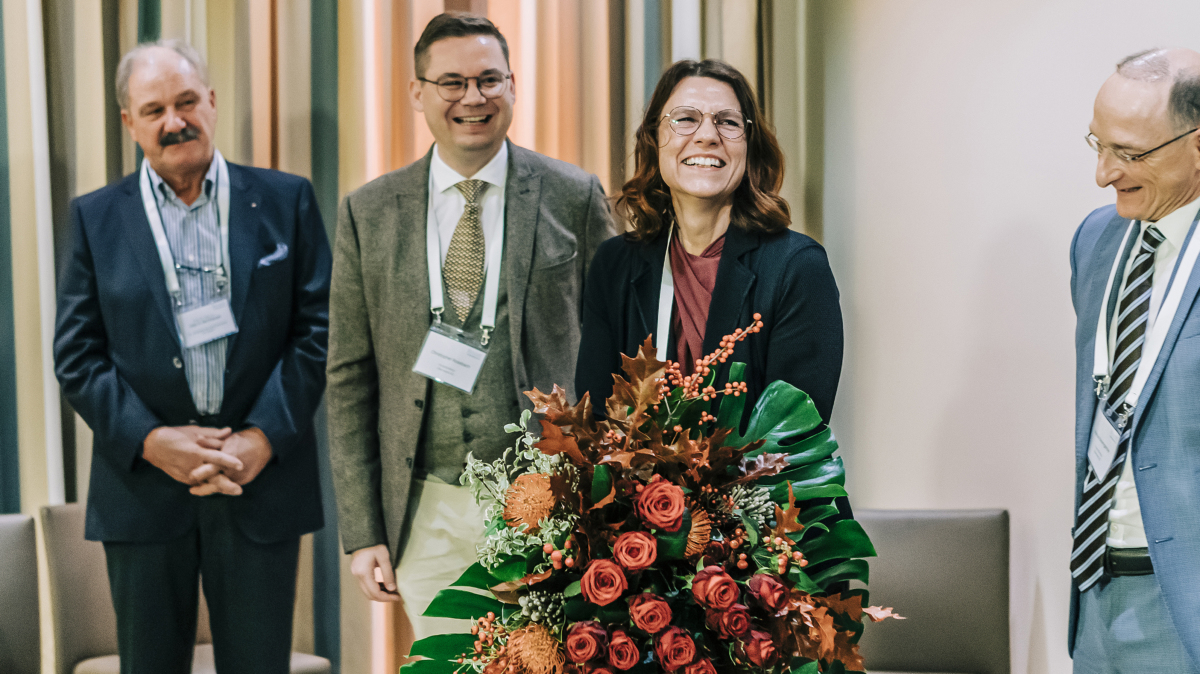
<point>250,588</point>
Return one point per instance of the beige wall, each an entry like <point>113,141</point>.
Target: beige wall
<point>956,173</point>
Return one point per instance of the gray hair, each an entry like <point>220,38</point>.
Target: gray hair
<point>130,59</point>
<point>1153,65</point>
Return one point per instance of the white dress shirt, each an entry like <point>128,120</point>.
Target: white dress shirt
<point>1125,528</point>
<point>446,202</point>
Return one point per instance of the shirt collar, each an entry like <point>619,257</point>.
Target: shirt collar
<point>495,172</point>
<point>163,191</point>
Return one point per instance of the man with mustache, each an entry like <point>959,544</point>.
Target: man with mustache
<point>191,337</point>
<point>457,285</point>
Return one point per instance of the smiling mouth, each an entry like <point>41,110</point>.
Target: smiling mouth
<point>1129,190</point>
<point>474,120</point>
<point>704,162</point>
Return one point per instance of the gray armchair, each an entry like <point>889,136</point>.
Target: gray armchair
<point>946,572</point>
<point>85,625</point>
<point>20,637</point>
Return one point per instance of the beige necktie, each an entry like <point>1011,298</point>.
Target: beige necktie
<point>463,268</point>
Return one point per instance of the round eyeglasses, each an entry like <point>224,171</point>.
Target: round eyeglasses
<point>1126,157</point>
<point>685,120</point>
<point>452,88</point>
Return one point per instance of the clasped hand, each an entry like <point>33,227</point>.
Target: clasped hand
<point>209,460</point>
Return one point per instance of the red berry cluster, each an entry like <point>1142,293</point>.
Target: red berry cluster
<point>560,558</point>
<point>488,631</point>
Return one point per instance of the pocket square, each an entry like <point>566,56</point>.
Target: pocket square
<point>281,251</point>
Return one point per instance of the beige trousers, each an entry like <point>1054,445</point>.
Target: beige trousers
<point>444,527</point>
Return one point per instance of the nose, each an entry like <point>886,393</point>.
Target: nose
<point>1108,169</point>
<point>707,131</point>
<point>174,121</point>
<point>473,95</point>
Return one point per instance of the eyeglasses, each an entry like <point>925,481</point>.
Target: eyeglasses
<point>453,89</point>
<point>1099,147</point>
<point>731,124</point>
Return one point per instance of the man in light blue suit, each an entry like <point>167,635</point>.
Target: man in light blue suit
<point>1135,561</point>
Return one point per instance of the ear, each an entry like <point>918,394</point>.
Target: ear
<point>513,85</point>
<point>127,120</point>
<point>212,98</point>
<point>414,95</point>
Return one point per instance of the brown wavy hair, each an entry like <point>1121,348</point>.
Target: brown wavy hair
<point>645,200</point>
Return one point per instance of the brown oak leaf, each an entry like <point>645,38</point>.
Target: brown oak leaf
<point>763,465</point>
<point>785,520</point>
<point>555,442</point>
<point>877,613</point>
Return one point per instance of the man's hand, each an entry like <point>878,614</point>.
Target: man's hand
<point>373,568</point>
<point>251,449</point>
<point>182,451</point>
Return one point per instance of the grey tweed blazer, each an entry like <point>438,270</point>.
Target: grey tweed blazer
<point>555,217</point>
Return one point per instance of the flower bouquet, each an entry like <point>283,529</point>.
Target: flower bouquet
<point>661,537</point>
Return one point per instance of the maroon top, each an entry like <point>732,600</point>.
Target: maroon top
<point>694,276</point>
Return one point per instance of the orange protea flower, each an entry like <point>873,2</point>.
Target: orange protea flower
<point>529,500</point>
<point>700,535</point>
<point>534,650</point>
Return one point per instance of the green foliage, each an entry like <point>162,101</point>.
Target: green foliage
<point>673,544</point>
<point>511,568</point>
<point>846,538</point>
<point>851,569</point>
<point>601,482</point>
<point>477,577</point>
<point>443,646</point>
<point>453,603</point>
<point>430,667</point>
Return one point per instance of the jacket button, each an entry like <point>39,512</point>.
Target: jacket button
<point>176,362</point>
<point>419,403</point>
<point>408,461</point>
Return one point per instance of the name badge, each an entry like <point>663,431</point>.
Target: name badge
<point>451,356</point>
<point>1103,445</point>
<point>204,324</point>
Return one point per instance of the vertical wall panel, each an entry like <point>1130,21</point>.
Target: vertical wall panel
<point>10,462</point>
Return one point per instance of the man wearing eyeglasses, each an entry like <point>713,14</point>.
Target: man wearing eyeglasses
<point>457,285</point>
<point>1135,598</point>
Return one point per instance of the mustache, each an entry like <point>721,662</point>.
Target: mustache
<point>181,136</point>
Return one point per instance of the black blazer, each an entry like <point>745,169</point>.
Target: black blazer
<point>785,277</point>
<point>118,357</point>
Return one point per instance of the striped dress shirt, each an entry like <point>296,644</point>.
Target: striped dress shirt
<point>195,239</point>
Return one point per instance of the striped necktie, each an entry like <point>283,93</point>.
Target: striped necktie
<point>464,257</point>
<point>1091,522</point>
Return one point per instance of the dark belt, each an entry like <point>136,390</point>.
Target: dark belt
<point>1127,562</point>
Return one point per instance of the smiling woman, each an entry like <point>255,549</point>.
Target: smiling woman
<point>709,248</point>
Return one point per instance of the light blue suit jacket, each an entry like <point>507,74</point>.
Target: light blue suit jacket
<point>1166,446</point>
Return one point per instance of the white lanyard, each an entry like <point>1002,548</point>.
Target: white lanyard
<point>1155,337</point>
<point>491,284</point>
<point>666,300</point>
<point>150,204</point>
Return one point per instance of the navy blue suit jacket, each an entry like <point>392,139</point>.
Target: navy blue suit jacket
<point>117,355</point>
<point>1166,427</point>
<point>785,277</point>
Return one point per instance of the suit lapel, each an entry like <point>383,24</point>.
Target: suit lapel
<point>522,193</point>
<point>647,283</point>
<point>141,243</point>
<point>1095,292</point>
<point>244,241</point>
<point>409,266</point>
<point>732,289</point>
<point>1186,303</point>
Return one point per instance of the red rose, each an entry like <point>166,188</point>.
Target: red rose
<point>759,649</point>
<point>713,588</point>
<point>661,504</point>
<point>635,550</point>
<point>770,593</point>
<point>622,651</point>
<point>585,640</point>
<point>674,649</point>
<point>650,613</point>
<point>732,622</point>
<point>702,666</point>
<point>603,582</point>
